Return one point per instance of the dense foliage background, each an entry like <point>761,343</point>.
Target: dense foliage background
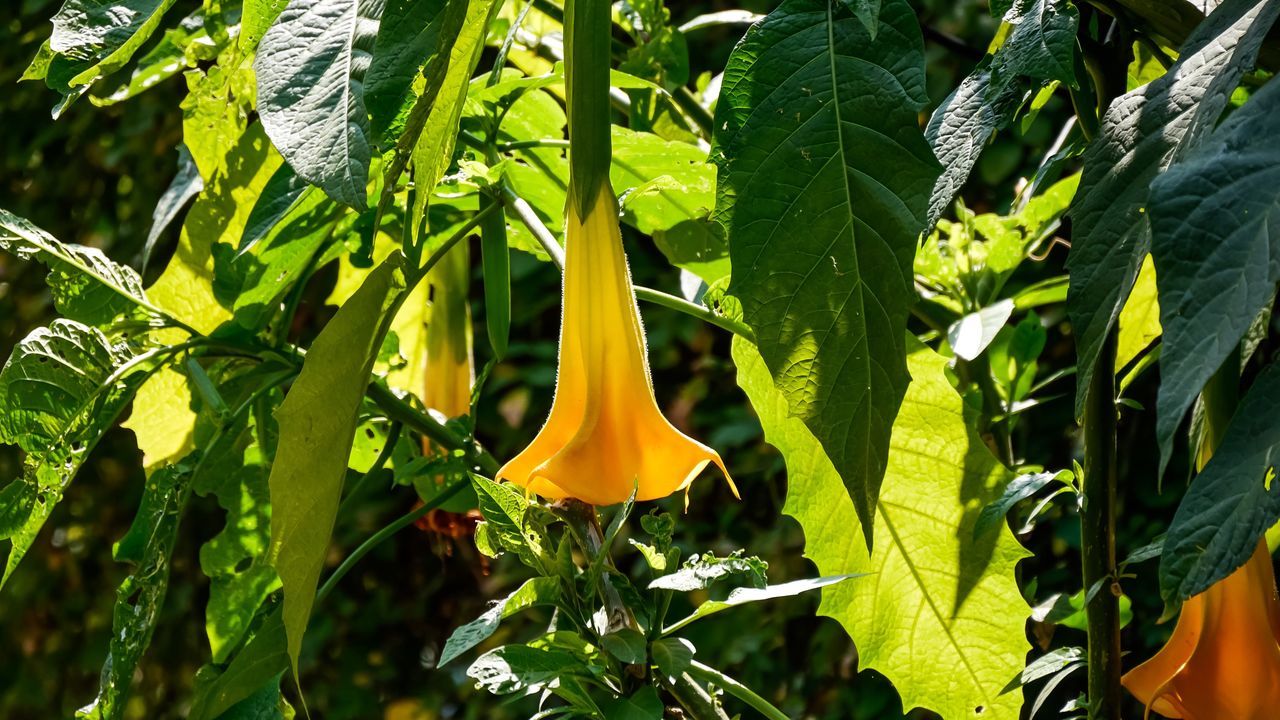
<point>93,178</point>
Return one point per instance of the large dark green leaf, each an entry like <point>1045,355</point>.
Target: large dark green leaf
<point>186,184</point>
<point>148,546</point>
<point>317,424</point>
<point>1215,227</point>
<point>260,662</point>
<point>1231,503</point>
<point>87,286</point>
<point>59,392</point>
<point>823,180</point>
<point>1143,132</point>
<point>311,66</point>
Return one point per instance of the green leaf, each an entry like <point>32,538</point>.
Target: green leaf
<point>626,644</point>
<point>256,18</point>
<point>317,424</point>
<point>1042,42</point>
<point>520,668</point>
<point>99,37</point>
<point>60,391</point>
<point>87,286</point>
<point>506,513</point>
<point>1139,322</point>
<point>960,128</point>
<point>282,193</point>
<point>1047,665</point>
<point>264,656</point>
<point>167,58</point>
<point>824,176</point>
<point>673,655</point>
<point>148,545</point>
<point>1231,503</point>
<point>311,66</point>
<point>186,184</point>
<point>701,571</point>
<point>1215,225</point>
<point>410,34</point>
<point>942,617</point>
<point>643,705</point>
<point>1018,489</point>
<point>971,334</point>
<point>186,288</point>
<point>1142,133</point>
<point>535,591</point>
<point>434,133</point>
<point>742,596</point>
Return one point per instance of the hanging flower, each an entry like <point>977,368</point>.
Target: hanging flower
<point>449,372</point>
<point>1223,660</point>
<point>605,434</point>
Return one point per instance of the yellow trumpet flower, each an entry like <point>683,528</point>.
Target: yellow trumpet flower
<point>449,371</point>
<point>605,434</point>
<point>1223,660</point>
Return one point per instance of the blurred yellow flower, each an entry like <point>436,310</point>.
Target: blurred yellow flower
<point>449,372</point>
<point>605,434</point>
<point>1223,659</point>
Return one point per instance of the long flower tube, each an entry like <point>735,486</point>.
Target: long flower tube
<point>605,435</point>
<point>449,371</point>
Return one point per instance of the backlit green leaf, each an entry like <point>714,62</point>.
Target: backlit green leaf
<point>824,178</point>
<point>317,423</point>
<point>941,616</point>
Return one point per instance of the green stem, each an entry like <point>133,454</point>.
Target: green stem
<point>1097,538</point>
<point>541,143</point>
<point>376,539</point>
<point>691,106</point>
<point>693,698</point>
<point>701,312</point>
<point>736,689</point>
<point>393,437</point>
<point>400,411</point>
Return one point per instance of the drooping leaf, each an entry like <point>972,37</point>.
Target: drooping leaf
<point>1018,489</point>
<point>942,616</point>
<point>1215,223</point>
<point>408,36</point>
<point>87,286</point>
<point>960,128</point>
<point>701,571</point>
<point>823,180</point>
<point>1142,133</point>
<point>185,185</point>
<point>1042,43</point>
<point>60,390</point>
<point>311,66</point>
<point>1231,503</point>
<point>317,423</point>
<point>148,545</point>
<point>535,591</point>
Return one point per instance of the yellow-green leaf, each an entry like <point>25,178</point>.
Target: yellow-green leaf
<point>1140,317</point>
<point>941,616</point>
<point>317,423</point>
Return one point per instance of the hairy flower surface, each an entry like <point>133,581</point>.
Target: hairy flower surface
<point>605,434</point>
<point>1223,660</point>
